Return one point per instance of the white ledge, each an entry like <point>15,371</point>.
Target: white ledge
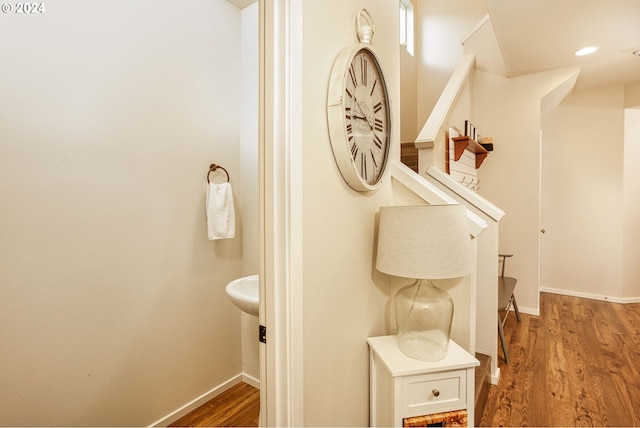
<point>441,110</point>
<point>430,193</point>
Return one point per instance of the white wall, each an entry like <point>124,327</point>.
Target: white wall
<point>441,26</point>
<point>588,202</point>
<point>631,190</point>
<point>632,95</point>
<point>113,309</point>
<point>344,296</point>
<point>509,111</point>
<point>248,178</point>
<point>248,123</point>
<point>408,97</point>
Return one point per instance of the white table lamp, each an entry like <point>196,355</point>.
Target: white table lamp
<point>424,242</point>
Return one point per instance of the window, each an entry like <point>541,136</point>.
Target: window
<point>406,25</point>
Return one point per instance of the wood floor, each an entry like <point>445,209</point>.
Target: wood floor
<point>577,364</point>
<point>239,406</point>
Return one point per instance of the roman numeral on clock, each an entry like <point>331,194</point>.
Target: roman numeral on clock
<point>373,159</point>
<point>352,74</point>
<point>377,141</point>
<point>349,93</point>
<point>363,166</point>
<point>363,70</point>
<point>375,82</point>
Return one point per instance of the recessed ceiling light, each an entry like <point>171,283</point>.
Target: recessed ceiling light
<point>586,51</point>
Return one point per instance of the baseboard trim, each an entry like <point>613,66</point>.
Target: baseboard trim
<point>495,376</point>
<point>248,379</point>
<point>528,311</point>
<point>199,401</point>
<point>622,300</point>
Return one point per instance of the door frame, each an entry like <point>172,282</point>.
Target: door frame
<point>280,206</point>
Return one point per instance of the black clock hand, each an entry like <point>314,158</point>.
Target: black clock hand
<point>364,116</point>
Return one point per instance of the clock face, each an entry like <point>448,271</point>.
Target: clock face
<point>366,116</point>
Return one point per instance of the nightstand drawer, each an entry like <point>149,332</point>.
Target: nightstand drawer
<point>427,393</point>
<point>404,391</point>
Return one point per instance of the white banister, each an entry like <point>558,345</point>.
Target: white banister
<point>438,116</point>
<point>466,194</point>
<point>430,193</point>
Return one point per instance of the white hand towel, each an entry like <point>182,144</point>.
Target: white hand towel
<point>221,217</point>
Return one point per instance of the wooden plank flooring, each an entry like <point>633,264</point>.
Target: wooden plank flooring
<point>239,406</point>
<point>577,364</point>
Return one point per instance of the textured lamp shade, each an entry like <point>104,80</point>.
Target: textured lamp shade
<point>424,242</point>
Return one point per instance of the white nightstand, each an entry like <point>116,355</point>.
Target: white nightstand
<point>405,388</point>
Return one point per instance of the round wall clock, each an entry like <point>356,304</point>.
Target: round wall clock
<point>359,117</point>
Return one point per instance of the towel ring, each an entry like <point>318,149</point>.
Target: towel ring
<point>214,167</point>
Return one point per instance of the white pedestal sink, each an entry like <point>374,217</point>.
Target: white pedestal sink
<point>243,292</point>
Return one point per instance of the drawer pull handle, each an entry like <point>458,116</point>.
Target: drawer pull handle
<point>435,392</point>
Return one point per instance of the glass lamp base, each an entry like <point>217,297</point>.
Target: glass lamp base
<point>424,314</point>
<point>428,345</point>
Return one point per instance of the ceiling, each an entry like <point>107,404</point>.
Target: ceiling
<point>539,35</point>
<point>529,36</point>
<point>241,4</point>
